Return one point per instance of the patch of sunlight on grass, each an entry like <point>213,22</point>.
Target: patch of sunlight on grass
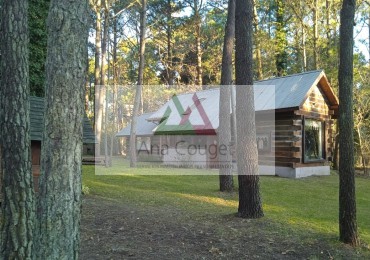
<point>320,226</point>
<point>211,200</point>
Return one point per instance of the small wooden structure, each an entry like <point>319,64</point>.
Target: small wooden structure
<point>294,118</point>
<point>36,132</point>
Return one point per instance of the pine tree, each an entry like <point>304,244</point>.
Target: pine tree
<point>139,86</point>
<point>250,205</point>
<point>224,133</point>
<point>59,204</point>
<point>18,210</point>
<point>347,197</point>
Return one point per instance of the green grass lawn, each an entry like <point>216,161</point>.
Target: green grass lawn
<point>306,205</point>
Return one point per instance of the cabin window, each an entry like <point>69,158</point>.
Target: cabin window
<point>313,140</point>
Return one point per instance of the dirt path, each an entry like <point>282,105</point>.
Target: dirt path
<point>113,230</point>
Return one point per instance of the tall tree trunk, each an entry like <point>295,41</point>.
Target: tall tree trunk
<point>98,117</point>
<point>59,204</point>
<point>233,120</point>
<point>87,91</point>
<point>98,30</point>
<point>103,76</point>
<point>363,157</point>
<point>198,35</point>
<point>258,45</point>
<point>250,205</point>
<point>328,38</point>
<point>224,130</point>
<point>170,75</point>
<point>17,206</point>
<point>139,86</point>
<point>304,48</point>
<point>104,44</point>
<point>315,10</point>
<point>112,139</point>
<point>347,196</point>
<point>336,149</point>
<point>106,111</point>
<point>115,78</point>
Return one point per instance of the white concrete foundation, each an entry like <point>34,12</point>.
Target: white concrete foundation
<point>288,172</point>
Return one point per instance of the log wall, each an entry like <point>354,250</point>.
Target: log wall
<point>286,139</point>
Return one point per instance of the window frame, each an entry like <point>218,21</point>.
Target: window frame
<point>323,138</point>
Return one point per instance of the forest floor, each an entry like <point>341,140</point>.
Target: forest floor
<point>114,230</point>
<point>128,215</point>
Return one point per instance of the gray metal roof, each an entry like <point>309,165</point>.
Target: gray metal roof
<point>144,127</point>
<point>289,91</point>
<point>271,94</point>
<point>37,122</point>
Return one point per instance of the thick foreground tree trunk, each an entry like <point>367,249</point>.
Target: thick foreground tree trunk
<point>224,134</point>
<point>18,210</point>
<point>59,203</point>
<point>347,198</point>
<point>250,205</point>
<point>139,86</point>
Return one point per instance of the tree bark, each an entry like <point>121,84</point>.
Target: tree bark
<point>170,75</point>
<point>224,133</point>
<point>98,117</point>
<point>304,48</point>
<point>103,76</point>
<point>115,91</point>
<point>250,205</point>
<point>315,10</point>
<point>258,45</point>
<point>328,38</point>
<point>198,35</point>
<point>363,157</point>
<point>104,44</point>
<point>336,148</point>
<point>59,204</point>
<point>133,159</point>
<point>17,206</point>
<point>347,197</point>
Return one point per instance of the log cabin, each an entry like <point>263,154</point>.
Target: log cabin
<point>294,127</point>
<point>36,132</point>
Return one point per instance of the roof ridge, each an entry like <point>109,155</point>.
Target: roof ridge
<point>292,75</point>
<point>257,81</point>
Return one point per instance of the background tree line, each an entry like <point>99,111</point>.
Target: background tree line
<point>184,39</point>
